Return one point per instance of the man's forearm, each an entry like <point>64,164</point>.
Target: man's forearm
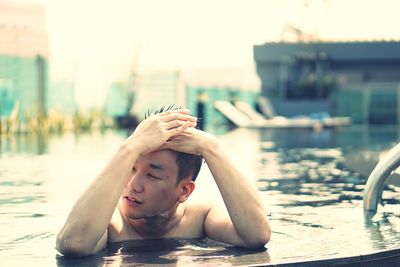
<point>91,215</point>
<point>241,199</point>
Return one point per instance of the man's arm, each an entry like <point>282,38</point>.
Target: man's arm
<point>85,231</point>
<point>247,223</point>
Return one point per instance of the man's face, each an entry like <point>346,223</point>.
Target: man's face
<point>152,189</point>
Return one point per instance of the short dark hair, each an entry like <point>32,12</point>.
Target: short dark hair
<point>189,165</point>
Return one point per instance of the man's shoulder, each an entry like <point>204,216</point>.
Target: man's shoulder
<point>197,209</point>
<point>192,223</point>
<point>200,205</point>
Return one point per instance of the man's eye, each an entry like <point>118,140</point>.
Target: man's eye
<point>154,177</point>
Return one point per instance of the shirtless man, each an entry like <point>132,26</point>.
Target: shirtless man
<point>141,193</point>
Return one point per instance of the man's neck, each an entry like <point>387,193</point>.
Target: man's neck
<point>160,225</point>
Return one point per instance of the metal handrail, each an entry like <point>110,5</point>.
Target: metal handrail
<point>374,185</point>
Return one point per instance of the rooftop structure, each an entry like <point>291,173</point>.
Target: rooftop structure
<point>23,58</point>
<point>362,77</point>
<point>23,30</point>
<point>282,66</point>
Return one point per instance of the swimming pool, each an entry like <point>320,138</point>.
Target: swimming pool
<point>312,197</point>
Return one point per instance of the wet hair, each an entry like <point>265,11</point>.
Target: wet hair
<point>189,165</point>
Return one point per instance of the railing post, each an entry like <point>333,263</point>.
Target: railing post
<point>374,185</point>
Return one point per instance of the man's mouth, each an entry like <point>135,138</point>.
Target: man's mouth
<point>132,199</point>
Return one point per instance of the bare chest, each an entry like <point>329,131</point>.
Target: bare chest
<point>190,226</point>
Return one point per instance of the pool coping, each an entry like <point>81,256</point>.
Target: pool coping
<point>389,257</point>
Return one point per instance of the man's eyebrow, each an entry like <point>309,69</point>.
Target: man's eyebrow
<point>157,166</point>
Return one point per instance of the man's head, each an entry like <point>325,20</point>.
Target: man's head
<point>158,184</point>
<point>189,165</point>
<point>160,180</point>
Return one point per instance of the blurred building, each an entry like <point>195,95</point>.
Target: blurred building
<point>155,89</point>
<point>119,103</point>
<point>23,58</point>
<point>118,100</point>
<point>196,90</point>
<point>357,79</point>
<point>61,97</point>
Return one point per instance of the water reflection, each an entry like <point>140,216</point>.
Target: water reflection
<point>312,165</point>
<point>348,138</point>
<point>33,143</point>
<point>170,252</point>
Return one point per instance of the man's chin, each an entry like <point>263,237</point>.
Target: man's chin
<point>128,211</point>
<point>130,214</point>
<point>135,213</point>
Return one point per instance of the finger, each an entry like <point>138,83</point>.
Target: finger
<point>175,111</point>
<point>174,140</point>
<point>180,129</point>
<point>168,145</point>
<point>176,123</point>
<point>178,116</point>
<point>192,124</point>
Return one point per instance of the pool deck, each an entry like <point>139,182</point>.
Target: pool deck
<point>206,252</point>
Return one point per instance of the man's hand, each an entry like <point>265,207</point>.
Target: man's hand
<point>154,131</point>
<point>191,141</point>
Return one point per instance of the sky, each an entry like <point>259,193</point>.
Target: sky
<point>96,42</point>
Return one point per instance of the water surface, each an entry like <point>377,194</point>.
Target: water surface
<point>312,196</point>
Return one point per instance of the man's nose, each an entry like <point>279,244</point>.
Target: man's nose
<point>136,183</point>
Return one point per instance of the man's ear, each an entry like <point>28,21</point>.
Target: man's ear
<point>186,187</point>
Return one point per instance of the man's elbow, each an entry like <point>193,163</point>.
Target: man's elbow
<point>261,239</point>
<point>264,238</point>
<point>73,247</point>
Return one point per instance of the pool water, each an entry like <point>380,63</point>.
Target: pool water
<point>312,196</point>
